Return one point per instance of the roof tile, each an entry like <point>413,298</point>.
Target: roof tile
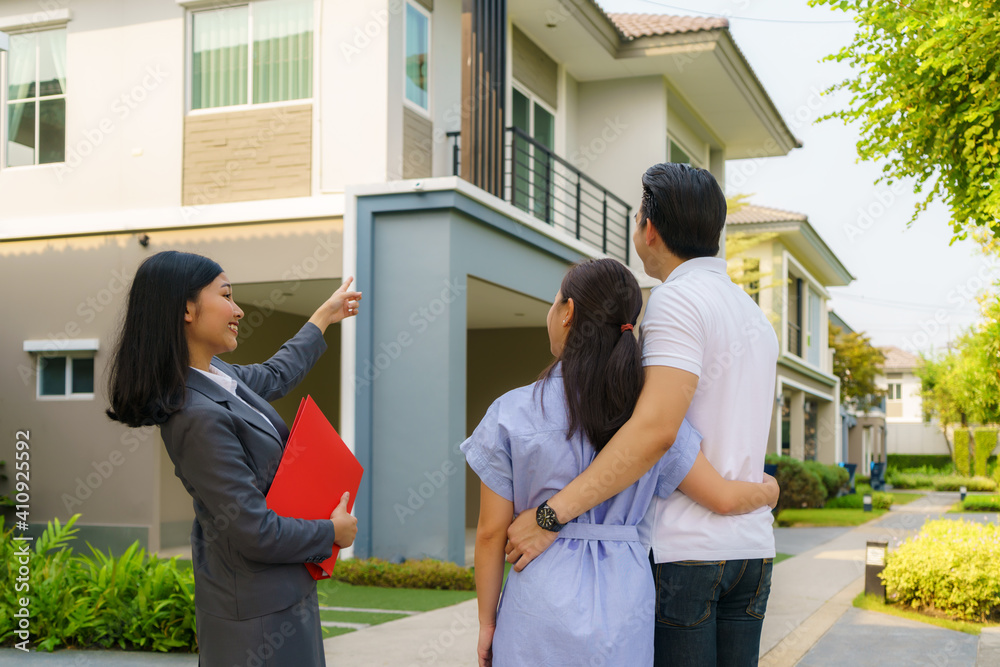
<point>633,26</point>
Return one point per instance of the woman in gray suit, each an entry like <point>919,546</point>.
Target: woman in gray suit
<point>255,602</point>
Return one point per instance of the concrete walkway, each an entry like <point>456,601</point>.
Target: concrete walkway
<point>810,621</point>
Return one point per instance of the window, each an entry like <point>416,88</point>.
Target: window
<point>36,98</point>
<point>678,154</point>
<point>252,54</point>
<point>418,27</point>
<point>813,338</point>
<point>532,175</point>
<point>895,391</point>
<point>751,273</point>
<point>795,286</point>
<point>70,375</point>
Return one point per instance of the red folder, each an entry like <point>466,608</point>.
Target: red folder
<point>315,470</point>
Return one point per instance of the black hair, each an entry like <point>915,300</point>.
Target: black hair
<point>601,364</point>
<point>149,362</point>
<point>687,208</point>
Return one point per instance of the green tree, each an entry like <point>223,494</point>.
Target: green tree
<point>926,93</point>
<point>856,362</point>
<point>962,386</point>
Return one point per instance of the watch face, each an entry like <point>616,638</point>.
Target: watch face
<point>546,517</point>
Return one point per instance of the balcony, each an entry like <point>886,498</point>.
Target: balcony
<point>541,183</point>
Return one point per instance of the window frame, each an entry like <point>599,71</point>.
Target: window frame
<point>37,99</point>
<point>68,355</point>
<point>426,113</point>
<point>692,160</point>
<point>250,105</point>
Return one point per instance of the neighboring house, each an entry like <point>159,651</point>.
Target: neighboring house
<point>907,432</point>
<point>864,426</point>
<point>796,267</point>
<point>300,141</point>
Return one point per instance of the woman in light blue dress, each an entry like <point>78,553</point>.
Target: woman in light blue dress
<point>589,598</point>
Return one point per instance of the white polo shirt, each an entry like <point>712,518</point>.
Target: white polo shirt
<point>699,321</point>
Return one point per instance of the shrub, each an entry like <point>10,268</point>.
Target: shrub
<point>981,504</point>
<point>961,450</point>
<point>955,483</point>
<point>986,442</point>
<point>880,501</point>
<point>950,566</point>
<point>909,462</point>
<point>834,478</point>
<point>427,573</point>
<point>799,486</point>
<point>99,601</point>
<point>910,480</point>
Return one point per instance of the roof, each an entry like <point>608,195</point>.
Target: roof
<point>749,214</point>
<point>798,234</point>
<point>838,321</point>
<point>632,26</point>
<point>897,359</point>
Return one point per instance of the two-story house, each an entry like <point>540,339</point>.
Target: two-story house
<point>455,157</point>
<point>906,430</point>
<point>794,267</point>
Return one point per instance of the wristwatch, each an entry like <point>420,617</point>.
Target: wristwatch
<point>546,518</point>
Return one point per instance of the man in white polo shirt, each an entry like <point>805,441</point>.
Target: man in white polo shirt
<point>709,353</point>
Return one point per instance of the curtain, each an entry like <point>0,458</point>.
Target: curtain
<point>219,59</point>
<point>282,50</point>
<point>21,85</point>
<point>52,62</point>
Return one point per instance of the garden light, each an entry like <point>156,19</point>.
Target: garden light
<point>867,500</point>
<point>874,564</point>
<point>962,491</point>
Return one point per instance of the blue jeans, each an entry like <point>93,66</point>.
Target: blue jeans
<point>710,613</point>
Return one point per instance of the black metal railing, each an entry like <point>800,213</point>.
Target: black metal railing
<point>541,183</point>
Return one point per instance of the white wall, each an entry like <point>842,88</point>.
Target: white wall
<point>124,119</point>
<point>902,438</point>
<point>354,96</point>
<point>621,130</point>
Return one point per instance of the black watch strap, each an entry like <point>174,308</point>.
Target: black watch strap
<point>546,518</point>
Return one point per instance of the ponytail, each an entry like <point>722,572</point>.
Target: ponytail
<point>601,361</point>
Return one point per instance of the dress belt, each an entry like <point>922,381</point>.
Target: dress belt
<point>599,531</point>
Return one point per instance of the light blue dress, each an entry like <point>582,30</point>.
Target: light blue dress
<point>589,598</point>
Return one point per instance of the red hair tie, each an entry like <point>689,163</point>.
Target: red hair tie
<point>626,327</point>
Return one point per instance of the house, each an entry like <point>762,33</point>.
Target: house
<point>863,423</point>
<point>906,430</point>
<point>792,269</point>
<point>454,157</point>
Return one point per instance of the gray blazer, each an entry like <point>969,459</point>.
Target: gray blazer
<point>248,561</point>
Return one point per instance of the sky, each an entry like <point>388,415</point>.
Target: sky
<point>913,288</point>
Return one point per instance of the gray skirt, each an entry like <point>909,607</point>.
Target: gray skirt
<point>291,637</point>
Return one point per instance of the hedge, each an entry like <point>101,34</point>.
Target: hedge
<point>942,462</point>
<point>880,501</point>
<point>800,487</point>
<point>834,478</point>
<point>955,483</point>
<point>981,504</point>
<point>985,443</point>
<point>133,601</point>
<point>427,573</point>
<point>961,450</point>
<point>950,567</point>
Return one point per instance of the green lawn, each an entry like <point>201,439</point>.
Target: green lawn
<point>901,498</point>
<point>339,594</point>
<point>825,517</point>
<point>778,557</point>
<point>873,603</point>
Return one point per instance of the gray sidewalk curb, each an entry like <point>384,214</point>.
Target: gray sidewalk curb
<point>797,643</point>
